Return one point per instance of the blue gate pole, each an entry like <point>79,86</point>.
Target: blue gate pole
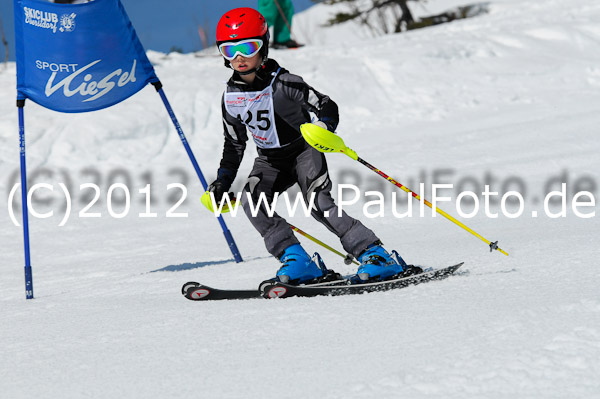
<point>28,272</point>
<point>230,241</point>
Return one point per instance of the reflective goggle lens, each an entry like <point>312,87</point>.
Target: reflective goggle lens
<point>246,48</point>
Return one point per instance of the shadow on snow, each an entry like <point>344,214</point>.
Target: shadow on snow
<point>190,266</point>
<point>197,265</point>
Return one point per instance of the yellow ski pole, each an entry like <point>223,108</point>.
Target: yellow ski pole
<point>325,141</point>
<point>347,258</point>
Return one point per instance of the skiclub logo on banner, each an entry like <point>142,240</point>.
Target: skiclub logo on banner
<point>46,20</point>
<point>40,19</point>
<point>78,58</point>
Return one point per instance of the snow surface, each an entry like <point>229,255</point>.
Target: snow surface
<point>514,94</point>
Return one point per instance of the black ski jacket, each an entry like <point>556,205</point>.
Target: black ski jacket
<point>293,101</point>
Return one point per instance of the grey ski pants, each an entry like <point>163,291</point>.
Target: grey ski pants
<point>307,167</point>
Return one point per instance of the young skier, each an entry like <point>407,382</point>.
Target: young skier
<point>271,103</point>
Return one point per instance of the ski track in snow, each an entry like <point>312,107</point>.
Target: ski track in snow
<point>513,93</point>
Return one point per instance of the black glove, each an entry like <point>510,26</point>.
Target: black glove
<point>330,123</point>
<point>218,188</point>
<point>222,184</point>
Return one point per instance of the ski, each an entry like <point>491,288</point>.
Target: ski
<point>198,292</point>
<point>280,290</point>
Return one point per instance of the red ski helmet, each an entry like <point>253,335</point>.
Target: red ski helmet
<point>243,23</point>
<point>239,24</point>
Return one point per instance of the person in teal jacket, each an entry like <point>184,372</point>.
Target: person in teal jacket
<point>280,20</point>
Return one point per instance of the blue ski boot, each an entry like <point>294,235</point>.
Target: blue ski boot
<point>377,264</point>
<point>298,267</point>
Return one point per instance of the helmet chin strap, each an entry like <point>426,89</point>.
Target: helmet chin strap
<point>247,72</point>
<point>251,71</point>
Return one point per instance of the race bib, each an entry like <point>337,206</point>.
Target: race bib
<point>255,109</point>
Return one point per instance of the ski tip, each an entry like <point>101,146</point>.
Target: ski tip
<point>187,286</point>
<point>457,266</point>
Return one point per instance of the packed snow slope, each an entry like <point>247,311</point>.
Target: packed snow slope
<point>510,98</point>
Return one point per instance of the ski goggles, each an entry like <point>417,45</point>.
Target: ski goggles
<point>246,48</point>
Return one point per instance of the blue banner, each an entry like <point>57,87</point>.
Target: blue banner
<point>78,57</point>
